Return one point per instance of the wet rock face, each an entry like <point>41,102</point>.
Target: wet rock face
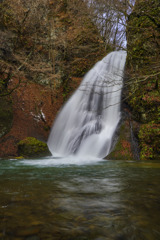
<point>123,149</point>
<point>31,147</point>
<point>143,38</point>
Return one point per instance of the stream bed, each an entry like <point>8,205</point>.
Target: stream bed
<point>47,199</point>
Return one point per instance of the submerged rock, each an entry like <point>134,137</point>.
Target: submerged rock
<point>31,147</point>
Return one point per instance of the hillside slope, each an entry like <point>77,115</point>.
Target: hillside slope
<point>45,49</point>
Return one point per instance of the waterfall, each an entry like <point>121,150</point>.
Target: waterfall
<point>86,124</point>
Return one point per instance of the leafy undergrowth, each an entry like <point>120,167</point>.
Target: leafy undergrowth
<point>149,136</point>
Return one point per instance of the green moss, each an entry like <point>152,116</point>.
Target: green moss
<point>7,19</point>
<point>149,136</point>
<point>143,34</point>
<point>142,64</point>
<point>122,149</point>
<point>19,158</point>
<point>31,147</point>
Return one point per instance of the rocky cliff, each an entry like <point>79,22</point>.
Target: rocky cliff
<point>140,131</point>
<point>143,66</point>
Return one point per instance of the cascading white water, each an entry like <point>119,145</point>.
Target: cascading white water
<point>86,124</point>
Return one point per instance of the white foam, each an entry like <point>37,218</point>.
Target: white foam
<point>63,161</point>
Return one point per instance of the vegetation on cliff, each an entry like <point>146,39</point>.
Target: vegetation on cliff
<point>45,49</point>
<point>47,41</point>
<point>143,65</point>
<point>123,148</point>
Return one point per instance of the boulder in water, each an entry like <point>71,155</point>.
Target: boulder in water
<point>31,147</point>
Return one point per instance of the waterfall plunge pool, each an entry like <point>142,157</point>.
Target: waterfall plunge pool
<point>47,199</point>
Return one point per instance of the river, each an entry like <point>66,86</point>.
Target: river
<point>47,199</point>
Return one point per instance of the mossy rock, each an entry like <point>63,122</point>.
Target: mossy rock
<point>31,147</point>
<point>123,148</point>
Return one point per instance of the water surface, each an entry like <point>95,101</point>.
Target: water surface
<point>101,200</point>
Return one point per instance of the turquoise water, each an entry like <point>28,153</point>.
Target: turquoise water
<point>101,200</point>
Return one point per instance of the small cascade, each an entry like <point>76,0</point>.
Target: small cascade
<point>86,124</point>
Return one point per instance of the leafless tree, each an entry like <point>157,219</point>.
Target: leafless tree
<point>110,16</point>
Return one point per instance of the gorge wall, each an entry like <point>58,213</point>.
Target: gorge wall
<point>140,131</point>
<point>143,66</point>
<point>45,48</point>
